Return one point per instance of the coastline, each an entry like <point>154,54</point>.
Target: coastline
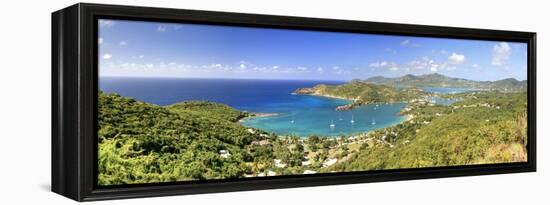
<point>352,102</point>
<point>323,95</point>
<point>252,115</point>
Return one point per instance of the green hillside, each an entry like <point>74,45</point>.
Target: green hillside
<point>210,109</point>
<point>143,143</point>
<point>486,128</point>
<point>363,93</point>
<point>196,140</point>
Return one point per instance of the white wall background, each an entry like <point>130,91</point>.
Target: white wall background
<point>25,102</point>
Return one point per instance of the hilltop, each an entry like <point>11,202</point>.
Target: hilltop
<point>143,143</point>
<point>439,80</point>
<point>362,93</point>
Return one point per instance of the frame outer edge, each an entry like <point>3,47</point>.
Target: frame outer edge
<point>86,98</point>
<point>55,132</point>
<point>72,131</point>
<point>65,132</point>
<point>532,101</point>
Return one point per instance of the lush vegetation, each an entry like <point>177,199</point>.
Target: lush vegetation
<point>210,109</point>
<point>140,142</point>
<point>438,80</point>
<point>363,93</point>
<point>484,128</point>
<point>197,140</point>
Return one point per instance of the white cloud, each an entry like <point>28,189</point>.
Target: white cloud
<point>106,23</point>
<point>100,40</point>
<point>501,53</point>
<point>423,63</point>
<point>409,43</point>
<point>456,58</point>
<point>386,65</point>
<point>394,68</point>
<point>141,56</point>
<point>169,69</point>
<point>475,65</point>
<point>123,43</point>
<point>242,66</point>
<point>379,64</point>
<point>427,64</point>
<point>107,56</point>
<point>118,68</point>
<point>418,64</point>
<point>168,27</point>
<point>162,28</point>
<point>443,52</point>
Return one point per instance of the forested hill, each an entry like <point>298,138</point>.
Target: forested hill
<point>438,80</point>
<point>209,109</point>
<point>361,92</point>
<point>483,129</point>
<point>144,143</point>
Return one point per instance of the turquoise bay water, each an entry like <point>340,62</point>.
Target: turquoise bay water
<point>312,115</point>
<point>315,116</point>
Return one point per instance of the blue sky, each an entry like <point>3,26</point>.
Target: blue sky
<point>152,49</point>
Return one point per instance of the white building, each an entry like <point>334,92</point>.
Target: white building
<point>279,164</point>
<point>224,153</point>
<point>329,162</point>
<point>309,172</point>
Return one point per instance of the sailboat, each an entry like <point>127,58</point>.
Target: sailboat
<point>332,123</point>
<point>352,121</point>
<point>373,122</point>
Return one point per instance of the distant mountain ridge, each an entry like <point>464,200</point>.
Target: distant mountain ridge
<point>439,80</point>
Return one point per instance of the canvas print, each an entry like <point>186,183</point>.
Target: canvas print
<point>192,102</point>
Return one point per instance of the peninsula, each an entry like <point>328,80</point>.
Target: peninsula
<point>362,93</point>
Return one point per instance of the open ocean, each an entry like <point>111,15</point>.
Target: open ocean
<point>298,115</point>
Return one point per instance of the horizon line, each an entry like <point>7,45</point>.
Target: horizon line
<point>228,78</point>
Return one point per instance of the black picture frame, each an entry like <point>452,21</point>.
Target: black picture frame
<point>74,100</point>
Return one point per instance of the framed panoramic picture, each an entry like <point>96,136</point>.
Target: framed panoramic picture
<point>153,102</point>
